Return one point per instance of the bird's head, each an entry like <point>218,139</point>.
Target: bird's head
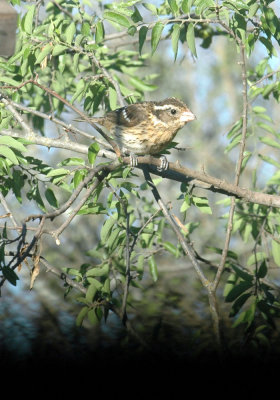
<point>173,112</point>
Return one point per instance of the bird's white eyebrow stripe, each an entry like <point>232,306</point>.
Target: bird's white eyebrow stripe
<point>165,107</point>
<point>124,113</point>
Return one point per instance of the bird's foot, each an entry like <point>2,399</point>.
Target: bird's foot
<point>163,164</point>
<point>133,160</point>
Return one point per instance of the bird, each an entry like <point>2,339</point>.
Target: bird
<point>145,128</point>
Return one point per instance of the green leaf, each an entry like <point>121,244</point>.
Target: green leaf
<point>117,18</point>
<point>43,53</point>
<point>81,315</point>
<point>252,10</point>
<point>99,32</point>
<point>58,172</point>
<point>156,35</point>
<point>136,16</point>
<point>9,141</point>
<point>237,290</point>
<point>51,198</point>
<point>70,32</point>
<point>202,204</point>
<point>91,291</point>
<point>239,303</point>
<point>175,39</point>
<point>151,7</point>
<point>28,20</point>
<point>106,229</point>
<point>10,275</point>
<point>259,256</point>
<point>242,274</point>
<point>270,142</point>
<point>174,7</point>
<point>72,161</point>
<point>98,271</point>
<point>9,154</point>
<point>153,268</point>
<point>140,85</point>
<point>142,37</point>
<point>191,39</point>
<point>132,30</point>
<point>171,248</point>
<point>269,160</point>
<point>58,49</point>
<point>186,6</point>
<point>92,152</point>
<point>276,252</point>
<point>262,270</point>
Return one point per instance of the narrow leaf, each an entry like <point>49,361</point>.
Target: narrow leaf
<point>99,32</point>
<point>156,35</point>
<point>175,39</point>
<point>142,37</point>
<point>153,268</point>
<point>9,154</point>
<point>28,20</point>
<point>92,152</point>
<point>117,18</point>
<point>276,252</point>
<point>191,39</point>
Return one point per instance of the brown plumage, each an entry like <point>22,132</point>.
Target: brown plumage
<point>146,128</point>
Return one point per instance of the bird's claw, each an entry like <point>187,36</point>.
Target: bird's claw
<point>133,160</point>
<point>163,164</point>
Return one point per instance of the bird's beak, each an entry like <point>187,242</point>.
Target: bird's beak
<point>187,116</point>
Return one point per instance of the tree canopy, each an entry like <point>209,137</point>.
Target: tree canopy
<point>134,242</point>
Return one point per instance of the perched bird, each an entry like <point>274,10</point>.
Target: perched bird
<point>147,127</point>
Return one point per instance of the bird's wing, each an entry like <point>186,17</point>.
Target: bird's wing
<point>127,116</point>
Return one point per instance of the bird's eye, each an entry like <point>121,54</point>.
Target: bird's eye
<point>173,111</point>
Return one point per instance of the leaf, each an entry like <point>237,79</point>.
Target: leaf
<point>43,53</point>
<point>191,39</point>
<point>202,204</point>
<point>9,154</point>
<point>58,49</point>
<point>51,198</point>
<point>98,271</point>
<point>269,160</point>
<point>186,6</point>
<point>142,37</point>
<point>175,39</point>
<point>58,172</point>
<point>239,303</point>
<point>106,229</point>
<point>171,248</point>
<point>10,275</point>
<point>81,315</point>
<point>262,270</point>
<point>9,141</point>
<point>259,256</point>
<point>270,142</point>
<point>70,32</point>
<point>150,7</point>
<point>153,268</point>
<point>252,10</point>
<point>276,252</point>
<point>174,7</point>
<point>92,152</point>
<point>99,32</point>
<point>237,290</point>
<point>117,18</point>
<point>140,85</point>
<point>28,20</point>
<point>91,291</point>
<point>156,35</point>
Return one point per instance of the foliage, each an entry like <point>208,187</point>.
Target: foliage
<point>64,60</point>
